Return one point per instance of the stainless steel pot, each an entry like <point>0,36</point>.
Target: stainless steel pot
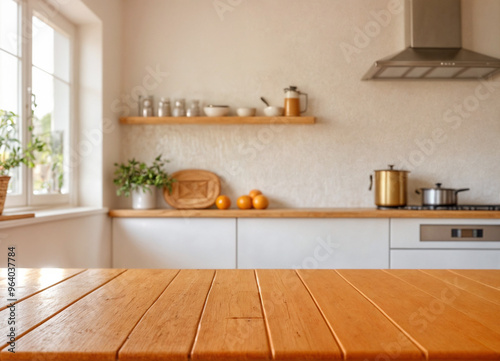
<point>439,196</point>
<point>390,187</point>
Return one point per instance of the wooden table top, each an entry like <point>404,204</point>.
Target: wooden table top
<point>380,315</point>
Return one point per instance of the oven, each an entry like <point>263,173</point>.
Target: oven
<point>445,243</point>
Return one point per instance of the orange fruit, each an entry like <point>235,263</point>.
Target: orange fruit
<point>254,192</point>
<point>260,202</point>
<point>244,202</point>
<point>223,202</point>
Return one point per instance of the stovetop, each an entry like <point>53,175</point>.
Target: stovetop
<point>458,207</point>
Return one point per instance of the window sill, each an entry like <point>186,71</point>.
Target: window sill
<point>50,215</point>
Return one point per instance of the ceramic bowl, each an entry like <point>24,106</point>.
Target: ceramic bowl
<point>216,110</point>
<point>273,111</point>
<point>246,112</point>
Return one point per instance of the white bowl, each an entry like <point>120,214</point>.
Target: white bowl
<point>246,112</point>
<point>216,110</point>
<point>273,111</point>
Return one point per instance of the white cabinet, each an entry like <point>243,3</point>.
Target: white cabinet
<point>76,242</point>
<point>445,259</point>
<point>174,243</point>
<point>448,249</point>
<point>313,243</point>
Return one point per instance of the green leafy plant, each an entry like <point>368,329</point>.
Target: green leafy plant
<point>12,154</point>
<point>138,175</point>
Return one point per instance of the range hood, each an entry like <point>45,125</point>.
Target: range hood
<point>434,32</point>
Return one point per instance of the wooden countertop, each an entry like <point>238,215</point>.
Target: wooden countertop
<point>12,217</point>
<point>302,213</point>
<point>116,314</point>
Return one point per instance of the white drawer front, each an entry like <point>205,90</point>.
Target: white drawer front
<point>405,233</point>
<point>313,243</point>
<point>174,243</point>
<point>445,259</point>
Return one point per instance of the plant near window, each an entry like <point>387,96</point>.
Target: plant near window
<point>12,154</point>
<point>136,177</point>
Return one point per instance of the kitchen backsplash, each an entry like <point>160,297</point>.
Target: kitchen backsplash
<point>234,52</point>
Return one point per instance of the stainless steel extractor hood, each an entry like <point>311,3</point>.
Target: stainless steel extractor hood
<point>433,30</point>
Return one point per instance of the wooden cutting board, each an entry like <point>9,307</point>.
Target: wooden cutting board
<point>193,189</point>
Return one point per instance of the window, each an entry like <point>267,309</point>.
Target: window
<point>36,82</point>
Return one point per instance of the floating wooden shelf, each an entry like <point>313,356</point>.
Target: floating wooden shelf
<point>217,120</point>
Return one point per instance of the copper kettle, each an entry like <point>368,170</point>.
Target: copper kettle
<point>390,187</point>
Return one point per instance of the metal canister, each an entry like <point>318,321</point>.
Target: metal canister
<point>164,107</point>
<point>390,187</point>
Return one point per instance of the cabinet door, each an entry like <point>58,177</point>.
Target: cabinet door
<point>445,259</point>
<point>313,243</point>
<point>174,243</point>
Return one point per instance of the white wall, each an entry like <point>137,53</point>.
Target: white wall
<point>110,15</point>
<point>258,47</point>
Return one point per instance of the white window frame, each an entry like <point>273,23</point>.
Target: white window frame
<point>46,13</point>
<point>20,199</point>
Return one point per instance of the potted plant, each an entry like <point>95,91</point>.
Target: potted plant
<point>12,154</point>
<point>141,180</point>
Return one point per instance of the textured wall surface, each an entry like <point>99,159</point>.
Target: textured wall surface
<point>232,52</point>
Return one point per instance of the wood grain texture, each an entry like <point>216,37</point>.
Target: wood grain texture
<point>193,189</point>
<point>355,321</point>
<point>12,217</point>
<point>35,310</point>
<point>217,120</point>
<point>437,327</point>
<point>29,281</point>
<point>232,326</point>
<point>170,325</point>
<point>297,330</point>
<point>95,327</point>
<point>479,289</point>
<point>477,308</point>
<point>488,277</point>
<point>302,213</point>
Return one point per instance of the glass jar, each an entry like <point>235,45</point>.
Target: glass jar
<point>164,107</point>
<point>147,107</point>
<point>194,109</point>
<point>179,108</point>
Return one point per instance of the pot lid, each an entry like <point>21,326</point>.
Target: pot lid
<point>391,169</point>
<point>438,187</point>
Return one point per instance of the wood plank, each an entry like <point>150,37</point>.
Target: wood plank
<point>477,308</point>
<point>302,213</point>
<point>355,321</point>
<point>35,310</point>
<point>296,328</point>
<point>488,277</point>
<point>29,281</point>
<point>95,327</point>
<point>170,325</point>
<point>12,217</point>
<point>217,120</point>
<point>442,331</point>
<point>479,289</point>
<point>232,326</point>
